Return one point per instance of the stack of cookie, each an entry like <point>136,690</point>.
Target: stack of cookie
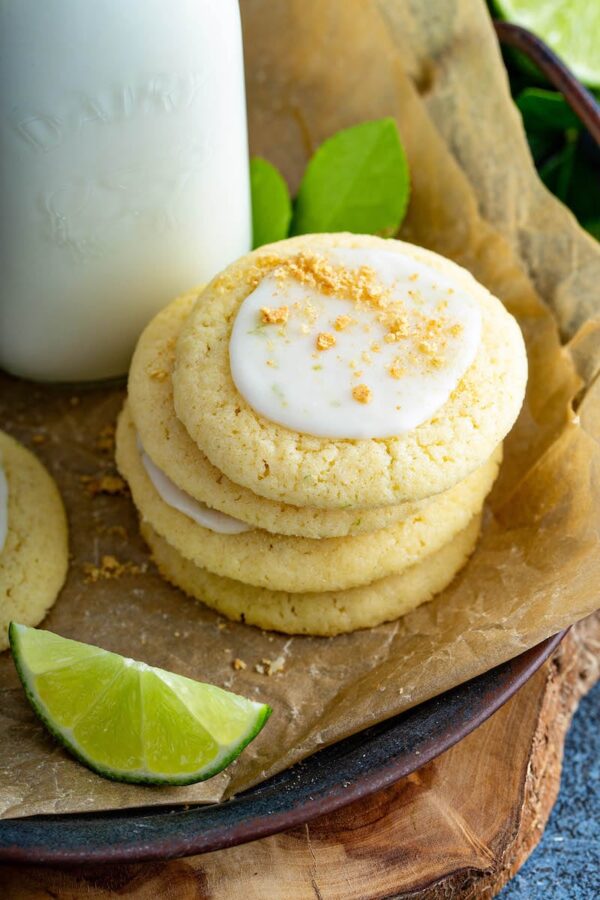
<point>310,439</point>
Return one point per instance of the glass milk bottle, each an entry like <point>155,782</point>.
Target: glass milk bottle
<point>123,172</point>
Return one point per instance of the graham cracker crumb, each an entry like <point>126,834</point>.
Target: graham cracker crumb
<point>110,567</point>
<point>325,340</point>
<point>103,484</point>
<point>396,324</point>
<point>105,442</point>
<point>270,667</point>
<point>342,322</point>
<point>313,269</point>
<point>362,393</point>
<point>254,275</point>
<point>396,370</point>
<point>270,316</point>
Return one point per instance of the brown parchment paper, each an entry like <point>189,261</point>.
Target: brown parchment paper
<point>312,68</point>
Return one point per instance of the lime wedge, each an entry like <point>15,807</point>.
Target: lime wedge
<point>127,720</point>
<point>570,27</point>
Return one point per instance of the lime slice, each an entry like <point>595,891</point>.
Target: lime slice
<point>570,27</point>
<point>127,720</point>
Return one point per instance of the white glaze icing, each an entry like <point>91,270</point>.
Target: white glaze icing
<point>176,498</point>
<point>3,506</point>
<point>282,375</point>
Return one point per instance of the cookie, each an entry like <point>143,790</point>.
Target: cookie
<point>150,398</point>
<point>324,614</point>
<point>34,552</point>
<point>285,465</point>
<point>296,564</point>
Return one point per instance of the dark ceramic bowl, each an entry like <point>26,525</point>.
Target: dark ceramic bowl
<point>334,777</point>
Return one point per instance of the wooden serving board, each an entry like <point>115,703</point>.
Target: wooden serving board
<point>458,828</point>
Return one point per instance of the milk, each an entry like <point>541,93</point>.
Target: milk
<point>123,172</point>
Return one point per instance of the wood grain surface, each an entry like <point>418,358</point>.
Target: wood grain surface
<point>458,828</point>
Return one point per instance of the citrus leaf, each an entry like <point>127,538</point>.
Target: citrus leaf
<point>358,181</point>
<point>546,110</point>
<point>271,203</point>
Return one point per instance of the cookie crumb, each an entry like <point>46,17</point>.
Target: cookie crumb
<point>362,393</point>
<point>325,340</point>
<point>105,442</point>
<point>276,666</point>
<point>239,665</point>
<point>103,484</point>
<point>396,370</point>
<point>270,316</point>
<point>270,667</point>
<point>342,322</point>
<point>314,270</point>
<point>110,567</point>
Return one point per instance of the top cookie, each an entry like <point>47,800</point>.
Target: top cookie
<point>393,374</point>
<point>171,448</point>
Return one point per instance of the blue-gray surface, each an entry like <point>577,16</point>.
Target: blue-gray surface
<point>566,863</point>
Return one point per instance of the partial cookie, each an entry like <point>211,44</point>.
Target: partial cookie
<point>171,448</point>
<point>34,556</point>
<point>324,614</point>
<point>300,564</point>
<point>287,466</point>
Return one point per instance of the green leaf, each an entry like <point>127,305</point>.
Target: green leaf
<point>546,110</point>
<point>558,171</point>
<point>271,203</point>
<point>593,226</point>
<point>358,180</point>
